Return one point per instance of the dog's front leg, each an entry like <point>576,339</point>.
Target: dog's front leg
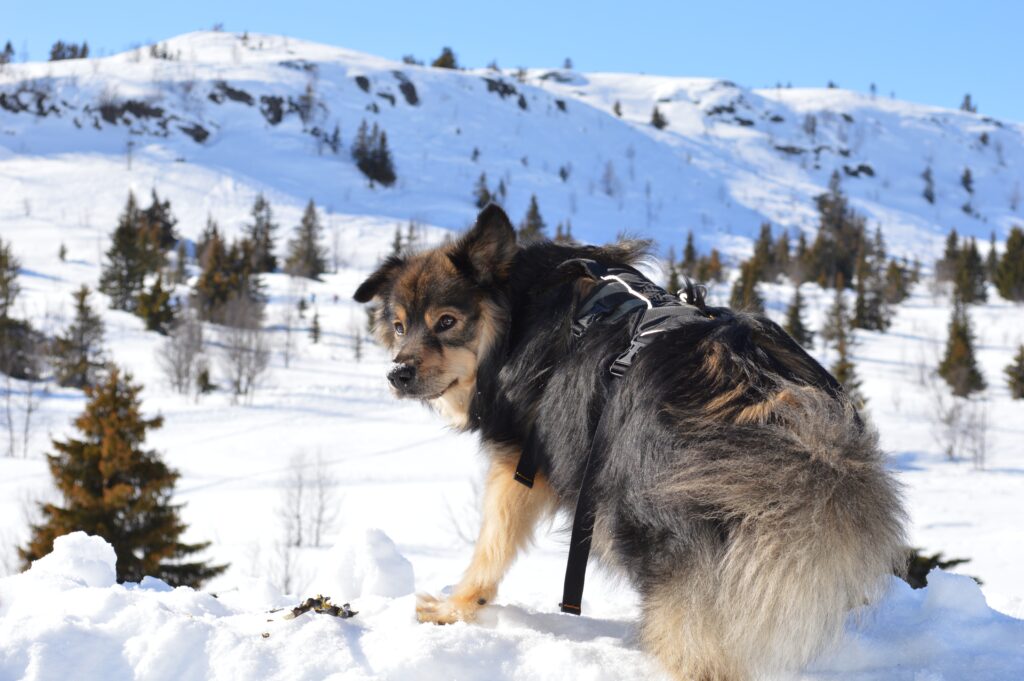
<point>510,513</point>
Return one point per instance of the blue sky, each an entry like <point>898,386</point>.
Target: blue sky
<point>931,52</point>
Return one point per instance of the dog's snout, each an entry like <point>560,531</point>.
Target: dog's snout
<point>402,376</point>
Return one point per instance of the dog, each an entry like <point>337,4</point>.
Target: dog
<point>737,490</point>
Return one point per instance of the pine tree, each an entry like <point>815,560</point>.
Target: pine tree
<point>532,227</point>
<point>794,325</point>
<point>871,311</point>
<point>260,233</point>
<point>396,243</point>
<point>840,235</point>
<point>125,269</point>
<point>180,263</point>
<point>710,268</point>
<point>616,107</point>
<point>160,221</point>
<point>959,366</point>
<point>845,371</point>
<point>836,319</point>
<point>744,295</point>
<point>78,352</point>
<point>481,194</point>
<point>1010,273</point>
<point>969,276</point>
<point>446,60</point>
<point>674,283</point>
<point>991,259</point>
<point>945,268</point>
<point>314,328</point>
<point>967,180</point>
<point>689,253</point>
<point>1015,375</point>
<point>929,185</point>
<point>764,253</point>
<point>114,488</point>
<point>658,120</point>
<point>372,156</point>
<point>154,307</point>
<point>306,257</point>
<point>897,285</point>
<point>9,287</point>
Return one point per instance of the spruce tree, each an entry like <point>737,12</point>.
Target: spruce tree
<point>991,259</point>
<point>1010,273</point>
<point>764,253</point>
<point>306,257</point>
<point>744,295</point>
<point>840,235</point>
<point>969,275</point>
<point>260,233</point>
<point>836,318</point>
<point>154,307</point>
<point>9,287</point>
<point>897,285</point>
<point>844,369</point>
<point>658,119</point>
<point>945,269</point>
<point>710,268</point>
<point>115,488</point>
<point>959,366</point>
<point>794,325</point>
<point>532,227</point>
<point>446,60</point>
<point>689,254</point>
<point>78,352</point>
<point>126,266</point>
<point>481,194</point>
<point>1015,375</point>
<point>674,283</point>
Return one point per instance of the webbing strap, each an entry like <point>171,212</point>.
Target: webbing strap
<point>582,535</point>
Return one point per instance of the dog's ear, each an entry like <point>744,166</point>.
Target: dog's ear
<point>376,281</point>
<point>485,253</point>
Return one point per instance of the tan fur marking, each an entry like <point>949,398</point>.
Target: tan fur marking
<point>761,412</point>
<point>510,513</point>
<point>725,400</point>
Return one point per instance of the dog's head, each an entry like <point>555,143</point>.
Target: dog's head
<point>439,313</point>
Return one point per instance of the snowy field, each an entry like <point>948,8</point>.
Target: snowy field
<point>403,488</point>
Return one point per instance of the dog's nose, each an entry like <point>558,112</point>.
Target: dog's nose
<point>402,375</point>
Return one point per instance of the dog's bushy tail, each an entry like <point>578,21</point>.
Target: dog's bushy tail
<point>815,529</point>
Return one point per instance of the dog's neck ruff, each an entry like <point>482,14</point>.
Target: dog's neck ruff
<point>620,294</point>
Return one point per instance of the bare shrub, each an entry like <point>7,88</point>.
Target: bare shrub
<point>245,350</point>
<point>179,356</point>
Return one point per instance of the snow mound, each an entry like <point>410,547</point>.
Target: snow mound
<point>81,558</point>
<point>84,626</point>
<point>364,562</point>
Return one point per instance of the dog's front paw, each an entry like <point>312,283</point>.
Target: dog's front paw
<point>447,611</point>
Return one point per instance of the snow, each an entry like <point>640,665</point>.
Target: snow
<point>84,626</point>
<point>405,489</point>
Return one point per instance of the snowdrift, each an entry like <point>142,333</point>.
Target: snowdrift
<point>67,618</point>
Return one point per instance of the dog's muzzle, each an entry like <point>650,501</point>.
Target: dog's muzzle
<point>402,377</point>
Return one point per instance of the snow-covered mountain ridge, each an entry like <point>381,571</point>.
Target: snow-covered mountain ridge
<point>256,113</point>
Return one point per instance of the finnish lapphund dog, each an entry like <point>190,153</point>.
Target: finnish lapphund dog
<point>738,490</point>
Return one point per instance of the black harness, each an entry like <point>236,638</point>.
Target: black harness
<point>621,294</point>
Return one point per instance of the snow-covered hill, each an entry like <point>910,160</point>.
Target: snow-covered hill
<point>240,114</point>
<point>729,159</point>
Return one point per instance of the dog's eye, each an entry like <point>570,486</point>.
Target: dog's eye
<point>399,329</point>
<point>445,322</point>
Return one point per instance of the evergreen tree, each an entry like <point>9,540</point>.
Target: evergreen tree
<point>160,221</point>
<point>213,287</point>
<point>897,284</point>
<point>991,259</point>
<point>125,269</point>
<point>945,268</point>
<point>306,257</point>
<point>9,287</point>
<point>840,235</point>
<point>314,328</point>
<point>845,371</point>
<point>1015,375</point>
<point>396,243</point>
<point>836,319</point>
<point>744,295</point>
<point>481,194</point>
<point>114,488</point>
<point>674,283</point>
<point>967,180</point>
<point>616,107</point>
<point>969,276</point>
<point>959,366</point>
<point>154,306</point>
<point>658,120</point>
<point>710,268</point>
<point>929,185</point>
<point>780,256</point>
<point>78,352</point>
<point>260,233</point>
<point>180,263</point>
<point>532,227</point>
<point>794,325</point>
<point>372,155</point>
<point>446,60</point>
<point>689,253</point>
<point>1010,272</point>
<point>871,311</point>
